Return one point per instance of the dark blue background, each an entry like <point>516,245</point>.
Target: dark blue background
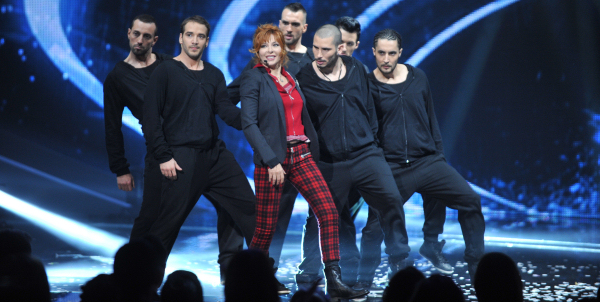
<point>517,96</point>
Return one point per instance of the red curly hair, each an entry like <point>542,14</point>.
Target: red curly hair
<point>262,35</point>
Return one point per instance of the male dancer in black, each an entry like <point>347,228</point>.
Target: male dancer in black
<point>293,25</point>
<point>341,108</point>
<point>370,247</point>
<point>180,102</point>
<point>350,30</point>
<point>411,141</point>
<point>124,87</point>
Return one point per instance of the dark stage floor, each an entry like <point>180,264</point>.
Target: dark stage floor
<point>562,269</point>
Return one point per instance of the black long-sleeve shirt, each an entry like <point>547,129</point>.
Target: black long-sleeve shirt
<point>180,106</point>
<point>124,87</point>
<point>408,128</point>
<point>342,112</point>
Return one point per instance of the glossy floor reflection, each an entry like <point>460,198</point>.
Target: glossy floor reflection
<point>551,270</point>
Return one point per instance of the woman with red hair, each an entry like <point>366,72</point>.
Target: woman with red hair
<point>276,123</point>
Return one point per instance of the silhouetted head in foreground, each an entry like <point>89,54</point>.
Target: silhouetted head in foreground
<point>182,286</point>
<point>498,279</point>
<point>402,285</point>
<point>250,278</point>
<point>438,288</point>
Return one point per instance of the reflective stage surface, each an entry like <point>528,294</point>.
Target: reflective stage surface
<point>562,269</point>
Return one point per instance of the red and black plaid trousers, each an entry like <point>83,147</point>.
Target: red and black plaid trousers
<point>303,173</point>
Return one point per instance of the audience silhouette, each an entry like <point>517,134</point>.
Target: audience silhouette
<point>438,288</point>
<point>139,269</point>
<point>22,277</point>
<point>182,286</point>
<point>402,285</point>
<point>99,289</point>
<point>14,242</point>
<point>310,295</point>
<point>250,278</point>
<point>498,279</point>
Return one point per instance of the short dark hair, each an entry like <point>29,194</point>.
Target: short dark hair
<point>497,279</point>
<point>140,264</point>
<point>329,30</point>
<point>145,18</point>
<point>197,19</point>
<point>388,34</point>
<point>350,25</point>
<point>182,286</point>
<point>295,7</point>
<point>14,242</point>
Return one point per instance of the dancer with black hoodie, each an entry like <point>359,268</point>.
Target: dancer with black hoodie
<point>342,111</point>
<point>411,141</point>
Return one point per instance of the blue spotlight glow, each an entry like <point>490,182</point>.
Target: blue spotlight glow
<point>225,31</point>
<point>44,19</point>
<point>74,233</point>
<point>455,28</point>
<point>374,11</point>
<point>64,182</point>
<point>538,244</point>
<point>498,199</point>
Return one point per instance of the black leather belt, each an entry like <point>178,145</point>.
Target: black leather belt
<point>405,164</point>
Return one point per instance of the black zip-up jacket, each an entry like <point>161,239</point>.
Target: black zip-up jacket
<point>345,119</point>
<point>408,128</point>
<point>295,63</point>
<point>264,120</point>
<point>180,106</point>
<point>124,87</point>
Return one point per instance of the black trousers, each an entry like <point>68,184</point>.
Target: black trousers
<point>366,175</point>
<point>372,236</point>
<point>215,174</point>
<point>441,184</point>
<point>230,239</point>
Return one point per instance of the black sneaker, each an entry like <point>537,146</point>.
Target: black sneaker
<point>281,289</point>
<point>309,279</point>
<point>472,267</point>
<point>398,266</point>
<point>360,285</point>
<point>433,252</point>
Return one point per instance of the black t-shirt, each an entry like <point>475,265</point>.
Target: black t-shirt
<point>124,87</point>
<point>337,84</point>
<point>299,60</point>
<point>180,106</point>
<point>150,69</point>
<point>399,87</point>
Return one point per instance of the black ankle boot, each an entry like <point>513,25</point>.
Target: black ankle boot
<point>336,288</point>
